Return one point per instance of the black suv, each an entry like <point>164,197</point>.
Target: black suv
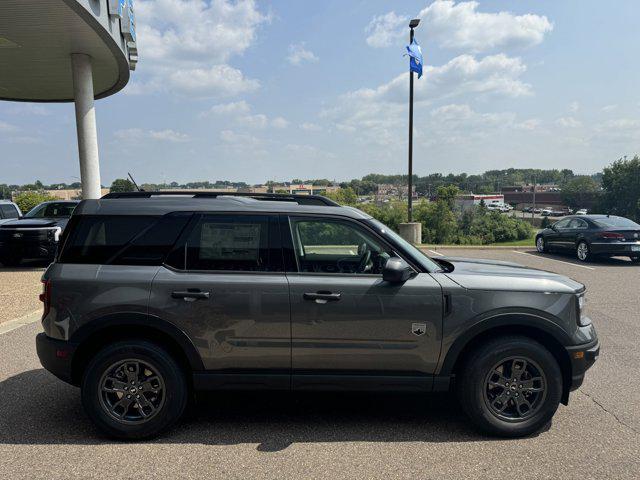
<point>153,296</point>
<point>36,235</point>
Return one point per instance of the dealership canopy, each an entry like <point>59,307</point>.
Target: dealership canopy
<point>68,50</point>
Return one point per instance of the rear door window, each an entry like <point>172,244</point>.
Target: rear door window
<point>241,243</point>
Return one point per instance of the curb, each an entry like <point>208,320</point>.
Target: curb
<point>28,319</point>
<point>476,247</point>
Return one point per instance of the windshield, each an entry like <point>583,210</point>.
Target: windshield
<point>415,253</point>
<point>52,210</point>
<point>616,222</point>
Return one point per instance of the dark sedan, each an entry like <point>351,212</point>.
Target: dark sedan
<point>36,235</point>
<point>590,236</point>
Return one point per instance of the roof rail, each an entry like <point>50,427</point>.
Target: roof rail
<point>317,200</point>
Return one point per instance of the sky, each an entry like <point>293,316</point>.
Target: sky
<point>281,89</point>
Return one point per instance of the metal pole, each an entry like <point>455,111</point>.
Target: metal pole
<point>533,210</point>
<point>410,205</point>
<point>86,125</point>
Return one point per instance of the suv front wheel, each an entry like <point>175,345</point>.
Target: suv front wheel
<point>134,389</point>
<point>510,386</point>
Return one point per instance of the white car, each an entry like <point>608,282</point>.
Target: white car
<point>545,212</point>
<point>9,211</point>
<point>582,211</point>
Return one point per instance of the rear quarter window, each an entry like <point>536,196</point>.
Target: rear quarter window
<point>122,240</point>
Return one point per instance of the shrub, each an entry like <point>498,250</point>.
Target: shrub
<point>29,199</point>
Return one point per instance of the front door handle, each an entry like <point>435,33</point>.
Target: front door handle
<point>190,295</point>
<point>322,297</point>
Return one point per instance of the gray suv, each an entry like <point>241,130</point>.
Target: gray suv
<point>155,296</point>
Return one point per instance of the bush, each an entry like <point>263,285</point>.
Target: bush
<point>27,200</point>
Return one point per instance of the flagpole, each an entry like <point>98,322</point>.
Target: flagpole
<point>412,24</point>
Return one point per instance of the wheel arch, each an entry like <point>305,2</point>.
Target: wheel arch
<point>111,328</point>
<point>525,325</point>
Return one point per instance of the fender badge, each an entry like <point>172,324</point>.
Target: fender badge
<point>418,329</point>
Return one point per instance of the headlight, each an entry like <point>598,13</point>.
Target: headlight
<point>583,320</point>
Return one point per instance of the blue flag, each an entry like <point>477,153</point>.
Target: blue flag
<point>415,57</point>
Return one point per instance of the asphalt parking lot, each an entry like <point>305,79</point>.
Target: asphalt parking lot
<point>45,434</point>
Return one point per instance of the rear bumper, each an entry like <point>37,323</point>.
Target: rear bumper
<point>582,359</point>
<point>616,248</point>
<point>56,356</point>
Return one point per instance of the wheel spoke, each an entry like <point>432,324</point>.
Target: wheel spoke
<point>143,404</point>
<point>533,385</point>
<point>124,402</point>
<point>520,403</point>
<point>114,385</point>
<point>502,400</point>
<point>518,367</point>
<point>151,384</point>
<point>131,370</point>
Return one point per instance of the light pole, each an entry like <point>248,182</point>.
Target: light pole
<point>412,24</point>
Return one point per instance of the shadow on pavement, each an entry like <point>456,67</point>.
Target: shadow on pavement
<point>36,408</point>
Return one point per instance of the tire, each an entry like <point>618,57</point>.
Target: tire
<point>480,397</point>
<point>541,245</point>
<point>109,398</point>
<point>583,251</point>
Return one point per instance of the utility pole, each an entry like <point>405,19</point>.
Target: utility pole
<point>412,24</point>
<point>533,210</point>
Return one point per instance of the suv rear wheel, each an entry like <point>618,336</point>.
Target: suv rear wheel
<point>510,386</point>
<point>134,389</point>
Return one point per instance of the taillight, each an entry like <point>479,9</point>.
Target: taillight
<point>612,236</point>
<point>45,297</point>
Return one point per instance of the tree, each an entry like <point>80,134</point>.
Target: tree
<point>31,198</point>
<point>344,196</point>
<point>621,184</point>
<point>579,190</point>
<point>120,185</point>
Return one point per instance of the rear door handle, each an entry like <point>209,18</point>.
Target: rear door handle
<point>322,297</point>
<point>190,295</point>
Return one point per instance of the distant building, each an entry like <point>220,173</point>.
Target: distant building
<point>471,200</point>
<point>305,188</point>
<point>72,193</point>
<point>387,191</point>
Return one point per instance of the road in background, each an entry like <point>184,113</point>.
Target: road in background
<point>44,432</point>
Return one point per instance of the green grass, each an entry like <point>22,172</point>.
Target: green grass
<point>527,242</point>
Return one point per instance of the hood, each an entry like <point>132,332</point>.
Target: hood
<point>35,223</point>
<point>479,274</point>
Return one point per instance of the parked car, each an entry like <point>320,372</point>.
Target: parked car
<point>557,213</point>
<point>527,209</point>
<point>545,212</point>
<point>582,211</point>
<point>153,296</point>
<point>36,235</point>
<point>590,236</point>
<point>8,211</point>
<point>537,210</point>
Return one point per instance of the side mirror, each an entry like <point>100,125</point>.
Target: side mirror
<point>396,270</point>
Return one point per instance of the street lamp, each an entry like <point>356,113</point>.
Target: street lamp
<point>412,24</point>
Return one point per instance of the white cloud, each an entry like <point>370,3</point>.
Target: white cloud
<point>385,30</point>
<point>619,130</point>
<point>219,80</point>
<point>138,134</point>
<point>7,127</point>
<point>185,46</point>
<point>298,54</point>
<point>239,139</point>
<point>240,114</point>
<point>310,127</point>
<point>574,106</point>
<point>461,26</point>
<point>568,122</point>
<point>609,108</point>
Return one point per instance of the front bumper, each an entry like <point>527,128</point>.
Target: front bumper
<point>56,356</point>
<point>582,358</point>
<point>616,248</point>
<point>28,249</point>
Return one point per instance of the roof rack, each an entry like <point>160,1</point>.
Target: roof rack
<point>317,200</point>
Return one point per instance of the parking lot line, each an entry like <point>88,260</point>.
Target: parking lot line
<point>553,259</point>
<point>436,253</point>
<point>28,319</point>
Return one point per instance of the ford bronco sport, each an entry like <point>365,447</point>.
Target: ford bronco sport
<point>154,296</point>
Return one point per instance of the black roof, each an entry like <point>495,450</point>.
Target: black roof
<point>160,203</point>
